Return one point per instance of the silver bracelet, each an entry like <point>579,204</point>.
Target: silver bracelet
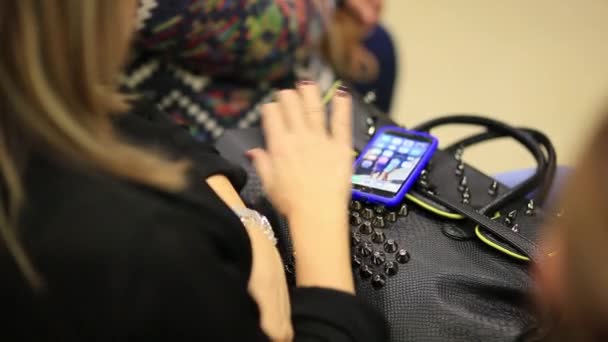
<point>251,218</point>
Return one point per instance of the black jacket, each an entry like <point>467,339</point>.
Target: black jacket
<point>127,262</point>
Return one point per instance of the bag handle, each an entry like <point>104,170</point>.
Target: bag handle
<point>521,243</point>
<point>526,140</point>
<point>550,157</point>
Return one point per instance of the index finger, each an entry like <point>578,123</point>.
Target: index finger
<point>315,110</point>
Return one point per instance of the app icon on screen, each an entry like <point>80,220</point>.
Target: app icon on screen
<point>397,141</point>
<point>407,143</point>
<point>371,156</point>
<point>422,145</point>
<point>392,147</point>
<point>407,164</point>
<point>416,152</point>
<point>382,160</point>
<point>404,150</point>
<point>380,144</point>
<point>388,153</point>
<point>385,138</point>
<point>366,164</point>
<point>375,151</point>
<point>394,164</point>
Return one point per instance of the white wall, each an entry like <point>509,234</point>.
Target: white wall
<point>539,63</point>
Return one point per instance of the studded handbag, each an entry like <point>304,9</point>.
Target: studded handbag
<point>450,263</point>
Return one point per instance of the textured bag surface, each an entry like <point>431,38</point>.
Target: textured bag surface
<point>438,265</point>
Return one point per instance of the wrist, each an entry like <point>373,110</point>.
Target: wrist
<point>323,219</point>
<point>325,207</point>
<point>322,249</point>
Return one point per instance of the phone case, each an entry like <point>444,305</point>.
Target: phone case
<point>396,200</point>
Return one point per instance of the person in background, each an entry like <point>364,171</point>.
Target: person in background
<point>121,227</point>
<point>573,283</point>
<point>365,48</point>
<point>210,65</point>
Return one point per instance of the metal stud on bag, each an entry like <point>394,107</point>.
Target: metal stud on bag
<point>424,174</point>
<point>355,239</point>
<point>391,268</point>
<point>378,222</point>
<point>530,208</point>
<point>493,190</point>
<point>355,219</point>
<point>378,281</point>
<point>459,169</point>
<point>510,218</point>
<point>367,213</point>
<point>366,228</point>
<point>458,154</point>
<point>365,249</point>
<point>378,258</point>
<point>403,210</point>
<point>402,256</point>
<point>515,228</point>
<point>370,97</point>
<point>378,236</point>
<point>390,246</point>
<point>371,126</point>
<point>463,184</point>
<point>380,209</point>
<point>356,261</point>
<point>424,184</point>
<point>366,272</point>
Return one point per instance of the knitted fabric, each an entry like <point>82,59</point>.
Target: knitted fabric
<point>210,63</point>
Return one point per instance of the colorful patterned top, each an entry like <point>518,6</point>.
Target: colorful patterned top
<point>209,63</point>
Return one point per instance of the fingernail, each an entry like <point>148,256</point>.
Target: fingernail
<point>305,83</point>
<point>343,91</point>
<point>250,154</point>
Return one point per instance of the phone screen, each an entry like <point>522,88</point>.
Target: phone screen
<point>389,162</point>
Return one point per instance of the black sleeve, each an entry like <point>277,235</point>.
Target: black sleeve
<point>186,281</point>
<point>183,289</point>
<point>146,125</point>
<point>327,315</point>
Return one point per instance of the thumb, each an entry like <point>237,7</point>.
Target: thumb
<point>263,166</point>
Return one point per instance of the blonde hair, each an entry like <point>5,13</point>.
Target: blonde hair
<point>59,66</point>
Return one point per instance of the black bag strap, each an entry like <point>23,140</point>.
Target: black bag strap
<point>524,245</point>
<point>550,159</point>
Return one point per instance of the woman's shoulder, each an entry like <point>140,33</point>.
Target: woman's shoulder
<point>87,212</point>
<point>110,249</point>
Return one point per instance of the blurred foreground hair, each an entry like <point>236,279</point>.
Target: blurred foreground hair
<point>59,64</point>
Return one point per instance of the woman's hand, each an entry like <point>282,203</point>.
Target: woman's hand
<point>268,286</point>
<point>306,172</point>
<point>304,164</point>
<point>267,283</point>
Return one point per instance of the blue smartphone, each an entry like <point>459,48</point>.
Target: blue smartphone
<point>390,164</point>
